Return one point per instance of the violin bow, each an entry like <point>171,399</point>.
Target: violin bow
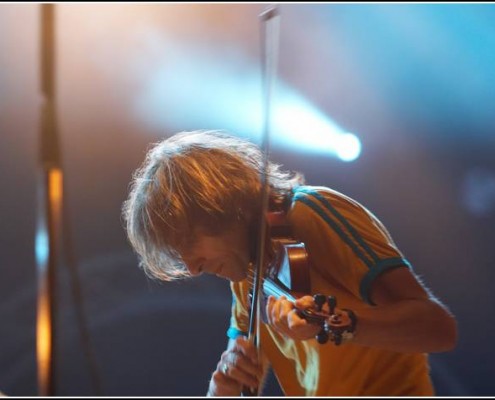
<point>270,23</point>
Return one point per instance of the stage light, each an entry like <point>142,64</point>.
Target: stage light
<point>348,147</point>
<point>300,125</point>
<point>195,88</point>
<point>41,247</point>
<point>478,191</point>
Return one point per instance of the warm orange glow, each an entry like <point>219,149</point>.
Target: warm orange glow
<point>44,334</point>
<point>43,339</point>
<point>55,186</point>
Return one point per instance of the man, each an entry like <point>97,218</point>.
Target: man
<point>194,208</point>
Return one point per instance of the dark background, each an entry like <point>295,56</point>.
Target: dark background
<point>415,82</point>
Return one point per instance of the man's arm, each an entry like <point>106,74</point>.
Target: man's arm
<point>406,318</point>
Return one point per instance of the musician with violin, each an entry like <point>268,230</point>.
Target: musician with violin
<point>341,311</point>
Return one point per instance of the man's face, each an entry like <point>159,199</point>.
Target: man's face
<point>225,255</point>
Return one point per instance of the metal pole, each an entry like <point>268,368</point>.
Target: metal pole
<point>50,196</point>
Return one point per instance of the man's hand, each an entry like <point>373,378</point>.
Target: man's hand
<point>282,315</point>
<point>238,367</point>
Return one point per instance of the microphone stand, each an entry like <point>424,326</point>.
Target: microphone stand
<point>49,212</point>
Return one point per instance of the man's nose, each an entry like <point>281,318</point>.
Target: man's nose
<point>196,267</point>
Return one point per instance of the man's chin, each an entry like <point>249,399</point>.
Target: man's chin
<point>238,277</point>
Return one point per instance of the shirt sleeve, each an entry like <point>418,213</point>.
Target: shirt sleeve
<point>239,320</point>
<point>345,241</point>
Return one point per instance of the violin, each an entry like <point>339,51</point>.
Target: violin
<point>287,274</point>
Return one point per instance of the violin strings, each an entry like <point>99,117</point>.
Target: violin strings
<point>250,277</point>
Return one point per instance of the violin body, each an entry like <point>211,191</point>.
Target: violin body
<point>290,269</point>
<point>289,264</point>
<point>288,275</point>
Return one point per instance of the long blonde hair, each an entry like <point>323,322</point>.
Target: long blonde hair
<point>194,179</point>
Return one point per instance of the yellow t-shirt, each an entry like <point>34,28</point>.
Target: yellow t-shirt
<point>347,248</point>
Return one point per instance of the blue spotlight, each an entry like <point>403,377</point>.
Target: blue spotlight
<point>298,124</point>
<point>41,244</point>
<point>348,147</point>
<point>193,89</point>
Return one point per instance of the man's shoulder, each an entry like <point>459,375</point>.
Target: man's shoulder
<point>322,194</point>
<point>320,203</point>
